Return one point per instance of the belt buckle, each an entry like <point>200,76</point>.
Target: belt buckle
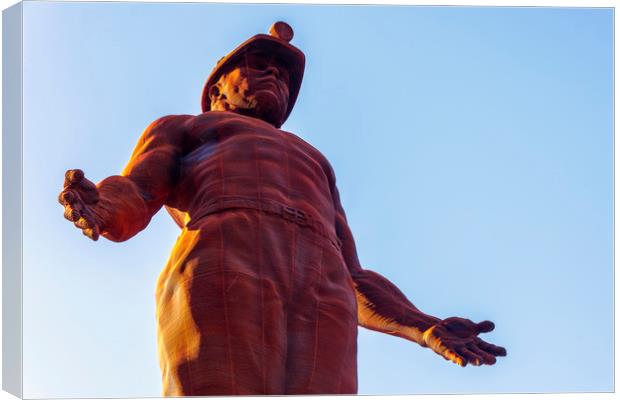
<point>295,215</point>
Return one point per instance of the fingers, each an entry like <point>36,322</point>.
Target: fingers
<point>87,224</point>
<point>473,355</point>
<point>70,201</point>
<point>92,233</point>
<point>485,357</point>
<point>83,223</point>
<point>78,213</point>
<point>470,356</point>
<point>71,214</point>
<point>465,354</point>
<point>435,343</point>
<point>66,196</point>
<point>485,326</point>
<point>491,348</point>
<point>75,180</point>
<point>73,176</point>
<point>454,357</point>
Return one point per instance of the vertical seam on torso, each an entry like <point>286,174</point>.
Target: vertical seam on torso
<point>287,145</point>
<point>226,321</point>
<point>260,268</point>
<point>316,325</point>
<point>344,358</point>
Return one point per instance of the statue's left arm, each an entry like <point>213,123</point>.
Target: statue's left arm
<point>122,205</point>
<point>383,307</point>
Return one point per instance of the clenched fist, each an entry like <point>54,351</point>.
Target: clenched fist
<point>79,198</point>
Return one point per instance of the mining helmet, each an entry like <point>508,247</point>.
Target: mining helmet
<point>275,48</point>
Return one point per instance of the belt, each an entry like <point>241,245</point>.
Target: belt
<point>292,214</point>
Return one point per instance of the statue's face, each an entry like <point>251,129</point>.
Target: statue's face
<point>255,88</point>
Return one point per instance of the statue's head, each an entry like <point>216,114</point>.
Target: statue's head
<point>260,78</point>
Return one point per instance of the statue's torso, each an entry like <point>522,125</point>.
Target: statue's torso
<point>231,156</point>
<point>236,274</point>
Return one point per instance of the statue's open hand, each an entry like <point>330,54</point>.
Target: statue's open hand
<point>79,197</point>
<point>456,339</point>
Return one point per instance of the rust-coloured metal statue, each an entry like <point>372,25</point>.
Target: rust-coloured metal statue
<point>263,291</point>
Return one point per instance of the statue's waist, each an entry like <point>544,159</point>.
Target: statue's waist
<point>293,214</point>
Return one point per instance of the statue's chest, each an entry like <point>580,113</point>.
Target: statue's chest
<point>237,142</point>
<point>238,148</point>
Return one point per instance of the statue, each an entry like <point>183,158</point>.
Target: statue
<point>263,291</point>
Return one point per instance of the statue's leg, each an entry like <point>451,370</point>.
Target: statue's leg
<point>322,322</point>
<point>221,309</point>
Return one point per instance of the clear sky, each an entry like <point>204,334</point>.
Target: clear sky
<point>473,151</point>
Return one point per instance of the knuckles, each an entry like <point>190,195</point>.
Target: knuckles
<point>66,197</point>
<point>71,214</point>
<point>74,176</point>
<point>76,194</point>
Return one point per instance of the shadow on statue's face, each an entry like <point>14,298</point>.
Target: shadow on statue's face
<point>254,87</point>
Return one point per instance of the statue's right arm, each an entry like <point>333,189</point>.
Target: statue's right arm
<point>384,308</point>
<point>122,205</point>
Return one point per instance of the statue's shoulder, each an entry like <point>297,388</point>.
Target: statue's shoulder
<point>169,124</point>
<point>299,141</point>
<point>309,149</point>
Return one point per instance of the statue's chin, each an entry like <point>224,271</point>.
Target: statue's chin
<point>271,107</point>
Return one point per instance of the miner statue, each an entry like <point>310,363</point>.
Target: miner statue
<point>263,292</point>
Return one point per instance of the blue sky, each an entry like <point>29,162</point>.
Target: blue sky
<point>473,152</point>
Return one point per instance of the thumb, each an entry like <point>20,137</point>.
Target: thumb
<point>485,326</point>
